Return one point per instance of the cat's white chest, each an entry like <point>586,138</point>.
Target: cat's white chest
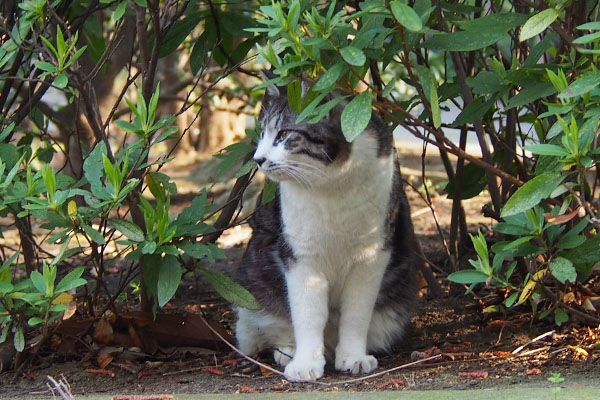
<point>338,228</point>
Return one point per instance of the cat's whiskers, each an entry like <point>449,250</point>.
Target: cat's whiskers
<point>308,170</point>
<point>316,171</point>
<point>301,176</point>
<point>293,172</point>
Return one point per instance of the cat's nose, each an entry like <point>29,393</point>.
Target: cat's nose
<point>259,161</point>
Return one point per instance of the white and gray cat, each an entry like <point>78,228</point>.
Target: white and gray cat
<point>333,258</point>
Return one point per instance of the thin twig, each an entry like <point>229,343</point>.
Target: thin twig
<point>275,371</point>
<point>536,339</point>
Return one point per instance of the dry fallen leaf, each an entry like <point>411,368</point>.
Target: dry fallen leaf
<point>247,389</point>
<point>104,360</point>
<point>560,219</point>
<point>265,372</point>
<point>533,371</point>
<point>100,372</point>
<point>214,370</point>
<point>63,298</point>
<point>393,383</point>
<point>70,311</point>
<point>579,352</point>
<point>142,374</point>
<point>232,363</point>
<point>103,331</point>
<point>474,374</point>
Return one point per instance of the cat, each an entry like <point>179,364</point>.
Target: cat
<point>333,258</point>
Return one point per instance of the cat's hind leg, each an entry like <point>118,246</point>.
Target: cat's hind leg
<point>247,333</point>
<point>284,354</point>
<point>257,331</point>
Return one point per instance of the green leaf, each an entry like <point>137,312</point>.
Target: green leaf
<point>512,229</point>
<point>126,126</point>
<point>19,339</point>
<point>590,25</point>
<point>582,85</point>
<point>294,95</point>
<point>169,277</point>
<point>329,78</point>
<point>356,116</point>
<point>486,82</point>
<point>195,212</point>
<point>499,22</point>
<point>548,150</point>
<point>474,111</point>
<point>45,66</point>
<point>120,10</point>
<point>242,49</point>
<point>468,276</point>
<point>178,33</point>
<point>585,253</point>
<point>474,181</point>
<point>195,250</point>
<point>148,247</point>
<point>9,154</point>
<point>39,282</point>
<point>563,270</point>
<point>465,40</point>
<point>308,110</point>
<point>200,51</point>
<point>324,109</point>
<point>531,92</point>
<point>33,321</point>
<point>7,131</point>
<point>6,287</point>
<point>127,228</point>
<point>531,193</point>
<point>71,281</point>
<point>61,81</point>
<point>90,166</point>
<point>587,38</point>
<point>388,88</point>
<point>511,299</point>
<point>407,17</point>
<point>237,23</point>
<point>435,105</point>
<point>269,192</point>
<point>570,242</point>
<point>232,155</point>
<point>560,316</point>
<point>229,289</point>
<point>93,234</point>
<point>246,168</point>
<point>538,23</point>
<point>353,56</point>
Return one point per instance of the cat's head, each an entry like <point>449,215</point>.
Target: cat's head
<point>300,152</point>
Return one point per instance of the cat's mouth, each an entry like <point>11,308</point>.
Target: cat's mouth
<point>275,173</point>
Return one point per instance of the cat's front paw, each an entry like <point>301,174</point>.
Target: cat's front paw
<point>305,370</point>
<point>283,355</point>
<point>355,363</point>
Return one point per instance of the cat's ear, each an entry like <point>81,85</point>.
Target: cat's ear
<point>272,90</point>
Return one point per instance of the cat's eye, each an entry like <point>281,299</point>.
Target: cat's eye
<point>282,135</point>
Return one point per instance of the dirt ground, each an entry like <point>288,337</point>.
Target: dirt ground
<point>470,348</point>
